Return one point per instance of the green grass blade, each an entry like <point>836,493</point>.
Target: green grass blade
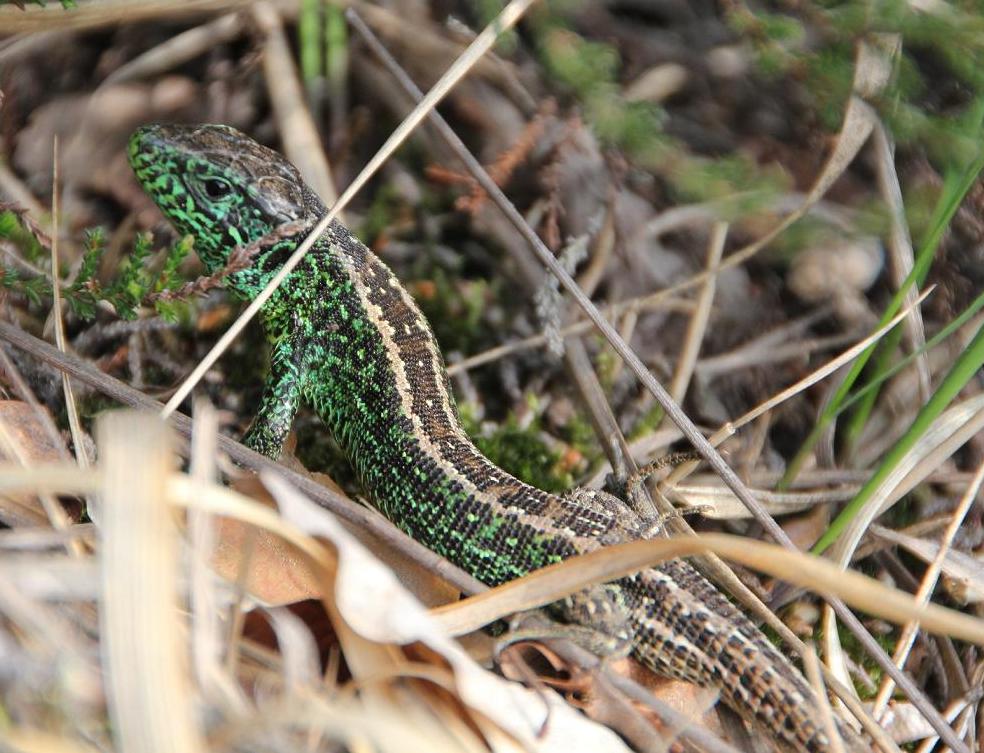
<point>966,366</point>
<point>956,186</point>
<point>872,387</point>
<point>309,40</point>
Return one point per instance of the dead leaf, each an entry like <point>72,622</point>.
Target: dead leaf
<point>276,572</point>
<point>33,446</point>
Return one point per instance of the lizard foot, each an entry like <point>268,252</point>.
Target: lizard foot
<point>538,626</point>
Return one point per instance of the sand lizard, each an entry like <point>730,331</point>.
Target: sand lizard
<point>348,339</point>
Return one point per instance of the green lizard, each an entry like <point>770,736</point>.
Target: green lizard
<point>349,340</point>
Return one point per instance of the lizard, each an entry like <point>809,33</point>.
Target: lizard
<point>348,339</point>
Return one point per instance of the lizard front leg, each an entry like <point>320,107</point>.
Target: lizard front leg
<point>281,397</point>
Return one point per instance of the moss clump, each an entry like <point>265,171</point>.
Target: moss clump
<point>520,451</point>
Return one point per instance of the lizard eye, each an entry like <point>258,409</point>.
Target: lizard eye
<point>216,188</point>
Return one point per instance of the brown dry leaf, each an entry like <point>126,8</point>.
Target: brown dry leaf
<point>34,446</point>
<point>521,659</point>
<point>277,573</point>
<point>373,607</point>
<point>279,576</point>
<point>806,529</point>
<point>691,700</point>
<point>214,318</point>
<point>423,583</point>
<point>27,430</point>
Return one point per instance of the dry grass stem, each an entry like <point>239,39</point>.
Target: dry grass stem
<point>687,360</point>
<point>300,137</point>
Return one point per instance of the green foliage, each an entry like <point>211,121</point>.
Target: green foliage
<point>579,433</point>
<point>486,11</point>
<point>706,179</point>
<point>584,67</point>
<point>322,37</point>
<point>816,46</point>
<point>134,280</point>
<point>309,39</point>
<point>949,41</point>
<point>13,229</point>
<point>958,180</point>
<point>131,283</point>
<point>455,309</point>
<point>379,216</point>
<point>80,295</point>
<point>336,44</point>
<point>169,279</point>
<point>853,648</point>
<point>590,71</point>
<point>966,367</point>
<point>35,287</point>
<point>32,288</point>
<point>777,39</point>
<point>647,422</point>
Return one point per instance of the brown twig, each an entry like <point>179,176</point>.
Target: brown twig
<point>240,258</point>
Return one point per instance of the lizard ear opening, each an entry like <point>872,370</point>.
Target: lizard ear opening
<point>279,198</point>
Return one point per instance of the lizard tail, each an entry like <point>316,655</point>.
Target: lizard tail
<point>686,629</point>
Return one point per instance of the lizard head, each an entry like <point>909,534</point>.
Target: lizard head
<point>218,185</point>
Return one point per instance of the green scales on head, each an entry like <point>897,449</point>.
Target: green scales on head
<point>348,339</point>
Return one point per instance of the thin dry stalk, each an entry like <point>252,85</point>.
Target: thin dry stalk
<point>702,314</point>
<point>900,246</point>
<point>98,13</point>
<point>926,587</point>
<point>549,584</point>
<point>811,664</point>
<point>536,341</point>
<point>301,140</point>
<point>71,408</point>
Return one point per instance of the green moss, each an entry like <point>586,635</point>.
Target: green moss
<point>580,434</point>
<point>647,422</point>
<point>861,658</point>
<point>520,451</point>
<point>380,215</point>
